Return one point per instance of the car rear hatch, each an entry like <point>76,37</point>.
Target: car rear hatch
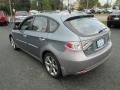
<point>95,43</point>
<point>94,35</point>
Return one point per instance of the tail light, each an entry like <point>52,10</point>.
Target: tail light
<point>110,17</point>
<point>73,45</point>
<point>3,18</point>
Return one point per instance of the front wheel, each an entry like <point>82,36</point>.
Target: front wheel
<point>13,44</point>
<point>52,65</point>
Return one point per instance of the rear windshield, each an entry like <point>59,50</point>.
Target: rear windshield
<point>21,13</point>
<point>87,26</point>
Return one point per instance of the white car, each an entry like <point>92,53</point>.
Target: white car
<point>88,11</point>
<point>20,16</point>
<point>109,10</point>
<point>33,12</point>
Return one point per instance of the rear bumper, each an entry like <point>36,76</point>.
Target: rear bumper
<point>78,63</point>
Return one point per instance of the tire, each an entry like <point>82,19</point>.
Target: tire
<point>109,25</point>
<point>13,43</point>
<point>52,65</point>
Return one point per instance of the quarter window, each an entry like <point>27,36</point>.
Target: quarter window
<point>53,25</point>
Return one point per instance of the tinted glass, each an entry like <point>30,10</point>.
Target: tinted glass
<point>87,26</point>
<point>40,24</point>
<point>27,25</point>
<point>53,25</point>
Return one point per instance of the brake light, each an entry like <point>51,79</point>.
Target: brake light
<point>3,18</point>
<point>73,45</point>
<point>109,17</point>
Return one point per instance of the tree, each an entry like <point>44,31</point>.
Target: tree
<point>99,4</point>
<point>87,3</point>
<point>106,5</point>
<point>21,4</point>
<point>47,4</point>
<point>4,5</point>
<point>118,3</point>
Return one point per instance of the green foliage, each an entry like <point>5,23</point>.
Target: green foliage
<point>87,3</point>
<point>31,5</point>
<point>106,5</point>
<point>118,3</point>
<point>4,6</point>
<point>47,4</point>
<point>99,4</point>
<point>21,4</point>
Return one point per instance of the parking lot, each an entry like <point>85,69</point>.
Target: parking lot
<point>19,71</point>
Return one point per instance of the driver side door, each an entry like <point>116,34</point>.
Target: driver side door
<point>21,37</point>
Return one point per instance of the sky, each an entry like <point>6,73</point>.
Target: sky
<point>101,1</point>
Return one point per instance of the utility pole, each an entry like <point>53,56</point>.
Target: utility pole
<point>10,9</point>
<point>68,4</point>
<point>37,4</point>
<point>87,4</point>
<point>107,3</point>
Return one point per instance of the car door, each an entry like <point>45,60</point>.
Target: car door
<point>20,35</point>
<point>36,38</point>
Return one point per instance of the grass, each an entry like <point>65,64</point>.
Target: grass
<point>104,22</point>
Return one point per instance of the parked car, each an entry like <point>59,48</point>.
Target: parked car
<point>98,10</point>
<point>20,16</point>
<point>109,10</point>
<point>33,12</point>
<point>103,10</point>
<point>66,43</point>
<point>3,18</point>
<point>88,11</point>
<point>114,19</point>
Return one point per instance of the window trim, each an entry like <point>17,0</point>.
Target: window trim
<point>49,25</point>
<point>25,21</point>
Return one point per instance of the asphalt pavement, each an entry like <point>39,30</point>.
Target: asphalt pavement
<point>19,71</point>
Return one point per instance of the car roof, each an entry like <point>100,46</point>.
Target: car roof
<point>62,15</point>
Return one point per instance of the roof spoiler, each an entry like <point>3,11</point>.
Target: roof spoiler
<point>81,16</point>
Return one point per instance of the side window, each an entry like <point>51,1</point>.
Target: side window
<point>53,25</point>
<point>40,24</point>
<point>27,25</point>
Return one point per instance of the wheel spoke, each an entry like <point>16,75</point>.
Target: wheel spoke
<point>51,65</point>
<point>54,71</point>
<point>55,66</point>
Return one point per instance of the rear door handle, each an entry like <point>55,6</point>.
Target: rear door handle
<point>42,39</point>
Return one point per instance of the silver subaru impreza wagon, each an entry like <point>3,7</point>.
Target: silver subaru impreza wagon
<point>66,43</point>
